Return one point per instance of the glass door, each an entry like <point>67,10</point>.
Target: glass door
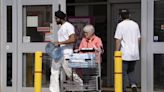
<point>35,24</point>
<point>8,50</point>
<point>157,45</point>
<point>35,29</point>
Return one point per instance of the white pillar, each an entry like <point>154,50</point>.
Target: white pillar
<point>55,7</point>
<point>63,5</point>
<point>144,40</point>
<point>0,44</point>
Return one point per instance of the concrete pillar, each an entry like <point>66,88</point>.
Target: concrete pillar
<point>63,5</point>
<point>0,42</point>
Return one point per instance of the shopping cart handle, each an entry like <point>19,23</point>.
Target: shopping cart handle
<point>87,50</point>
<point>87,59</point>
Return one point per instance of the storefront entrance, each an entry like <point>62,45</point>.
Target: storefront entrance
<point>26,29</point>
<point>135,14</point>
<point>25,26</point>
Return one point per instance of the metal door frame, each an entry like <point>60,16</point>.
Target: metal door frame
<point>153,47</point>
<point>144,47</point>
<point>32,47</point>
<point>8,47</point>
<point>17,47</point>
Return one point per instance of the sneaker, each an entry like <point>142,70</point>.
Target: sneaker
<point>134,88</point>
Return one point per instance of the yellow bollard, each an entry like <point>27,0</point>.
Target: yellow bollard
<point>118,71</point>
<point>38,72</point>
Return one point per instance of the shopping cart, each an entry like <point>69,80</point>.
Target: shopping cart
<point>90,73</point>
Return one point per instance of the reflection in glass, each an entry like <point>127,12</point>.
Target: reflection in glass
<point>159,21</point>
<point>35,17</point>
<point>9,23</point>
<point>28,70</point>
<point>158,72</point>
<point>9,69</point>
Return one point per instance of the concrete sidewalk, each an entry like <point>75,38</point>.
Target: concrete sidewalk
<point>106,89</point>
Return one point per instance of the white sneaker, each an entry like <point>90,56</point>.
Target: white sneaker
<point>133,85</point>
<point>134,88</point>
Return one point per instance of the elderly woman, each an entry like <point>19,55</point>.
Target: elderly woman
<point>90,40</point>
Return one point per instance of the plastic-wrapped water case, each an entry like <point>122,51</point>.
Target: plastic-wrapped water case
<point>54,51</point>
<point>82,60</point>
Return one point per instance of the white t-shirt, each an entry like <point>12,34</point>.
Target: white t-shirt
<point>64,32</point>
<point>128,32</point>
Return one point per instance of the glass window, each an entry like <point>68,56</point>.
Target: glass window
<point>158,21</point>
<point>9,23</point>
<point>9,69</point>
<point>36,23</point>
<point>158,72</point>
<point>28,70</point>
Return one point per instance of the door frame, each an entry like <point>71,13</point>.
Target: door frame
<point>16,47</point>
<point>8,47</point>
<point>153,47</point>
<point>144,46</point>
<point>32,47</point>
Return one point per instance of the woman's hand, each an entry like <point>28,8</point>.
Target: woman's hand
<point>76,50</point>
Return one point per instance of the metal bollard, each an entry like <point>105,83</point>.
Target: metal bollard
<point>38,72</point>
<point>118,71</point>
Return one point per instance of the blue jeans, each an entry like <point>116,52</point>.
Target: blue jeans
<point>128,71</point>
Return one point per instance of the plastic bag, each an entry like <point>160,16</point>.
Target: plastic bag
<point>55,52</point>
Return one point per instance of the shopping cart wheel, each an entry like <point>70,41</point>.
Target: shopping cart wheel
<point>86,87</point>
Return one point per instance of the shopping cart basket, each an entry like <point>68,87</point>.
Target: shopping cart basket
<point>91,73</point>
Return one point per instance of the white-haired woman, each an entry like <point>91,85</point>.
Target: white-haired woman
<point>90,40</point>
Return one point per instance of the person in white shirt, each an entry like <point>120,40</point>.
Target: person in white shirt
<point>66,38</point>
<point>127,37</point>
